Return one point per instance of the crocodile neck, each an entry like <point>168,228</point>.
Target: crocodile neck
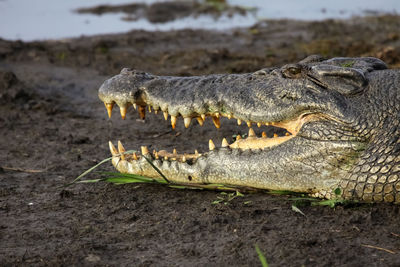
<point>376,175</point>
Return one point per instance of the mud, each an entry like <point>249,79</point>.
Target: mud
<point>53,127</point>
<point>160,12</point>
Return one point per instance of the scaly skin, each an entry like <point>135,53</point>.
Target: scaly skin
<point>342,117</point>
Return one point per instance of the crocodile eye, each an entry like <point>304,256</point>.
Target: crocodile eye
<point>292,71</point>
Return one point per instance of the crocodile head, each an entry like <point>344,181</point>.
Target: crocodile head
<point>340,121</point>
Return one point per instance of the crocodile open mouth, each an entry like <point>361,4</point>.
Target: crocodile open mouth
<point>289,128</point>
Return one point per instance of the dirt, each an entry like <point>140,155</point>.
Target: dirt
<point>161,12</point>
<point>53,127</point>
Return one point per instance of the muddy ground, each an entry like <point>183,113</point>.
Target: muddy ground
<point>161,12</point>
<point>53,127</point>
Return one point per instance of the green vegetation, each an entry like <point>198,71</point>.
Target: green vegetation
<point>225,197</point>
<point>261,256</point>
<point>61,56</point>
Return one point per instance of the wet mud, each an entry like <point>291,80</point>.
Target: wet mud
<point>53,127</point>
<point>161,12</point>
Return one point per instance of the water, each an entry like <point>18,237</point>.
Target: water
<point>54,19</point>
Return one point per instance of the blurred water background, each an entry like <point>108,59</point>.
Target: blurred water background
<point>29,20</point>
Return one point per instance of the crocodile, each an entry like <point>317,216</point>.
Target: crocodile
<point>340,122</point>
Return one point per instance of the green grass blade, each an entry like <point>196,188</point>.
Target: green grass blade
<point>261,256</point>
<point>304,199</point>
<point>89,181</point>
<point>88,171</point>
<point>283,192</point>
<point>296,209</point>
<point>128,175</point>
<point>126,180</point>
<point>328,202</point>
<point>157,170</point>
<point>183,187</point>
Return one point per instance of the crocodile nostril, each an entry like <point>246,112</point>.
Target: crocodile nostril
<point>289,95</point>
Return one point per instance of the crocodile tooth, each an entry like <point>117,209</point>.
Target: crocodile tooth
<point>229,116</point>
<point>113,150</point>
<point>258,124</point>
<point>203,116</point>
<point>196,153</point>
<point>224,143</point>
<point>156,155</point>
<point>251,132</point>
<point>275,135</point>
<point>142,112</point>
<point>200,121</point>
<point>183,158</point>
<point>211,145</point>
<point>216,122</point>
<point>121,150</point>
<point>134,106</point>
<point>187,121</point>
<point>156,111</point>
<point>165,157</point>
<point>123,112</point>
<point>238,137</point>
<point>263,135</point>
<point>109,107</point>
<point>165,115</point>
<point>267,123</point>
<point>216,115</point>
<point>145,150</point>
<point>174,151</point>
<point>173,121</point>
<point>249,124</point>
<point>149,109</point>
<point>287,134</point>
<point>239,121</point>
<point>135,157</point>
